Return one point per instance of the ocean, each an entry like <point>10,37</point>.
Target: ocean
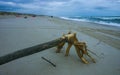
<point>105,20</point>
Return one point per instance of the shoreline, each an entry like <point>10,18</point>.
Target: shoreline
<point>104,33</point>
<point>89,21</point>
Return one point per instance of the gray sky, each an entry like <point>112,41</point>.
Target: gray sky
<point>63,7</point>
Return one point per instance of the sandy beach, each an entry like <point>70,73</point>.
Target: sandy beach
<point>18,33</point>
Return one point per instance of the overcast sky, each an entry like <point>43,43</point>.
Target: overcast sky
<point>63,7</point>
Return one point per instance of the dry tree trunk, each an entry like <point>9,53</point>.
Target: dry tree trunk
<point>28,51</point>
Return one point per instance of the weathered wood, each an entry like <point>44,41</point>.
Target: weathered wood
<point>28,51</point>
<point>49,61</point>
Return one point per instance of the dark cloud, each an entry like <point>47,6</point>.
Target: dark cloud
<point>53,0</point>
<point>101,8</point>
<point>18,1</point>
<point>9,8</point>
<point>62,7</point>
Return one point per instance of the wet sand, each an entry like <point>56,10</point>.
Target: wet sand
<point>17,33</point>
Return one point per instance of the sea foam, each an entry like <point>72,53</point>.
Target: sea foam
<point>111,21</point>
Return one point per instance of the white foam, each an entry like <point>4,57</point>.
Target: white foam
<point>85,20</point>
<point>109,18</point>
<point>66,18</point>
<point>111,24</point>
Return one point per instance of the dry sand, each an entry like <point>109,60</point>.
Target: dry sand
<point>17,33</point>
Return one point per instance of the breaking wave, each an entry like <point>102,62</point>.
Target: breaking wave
<point>107,20</point>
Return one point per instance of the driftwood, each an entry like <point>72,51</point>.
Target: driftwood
<point>28,51</point>
<point>81,47</point>
<point>70,38</point>
<point>49,61</point>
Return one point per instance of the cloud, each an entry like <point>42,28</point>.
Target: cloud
<point>7,3</point>
<point>20,6</point>
<point>63,7</point>
<point>100,8</point>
